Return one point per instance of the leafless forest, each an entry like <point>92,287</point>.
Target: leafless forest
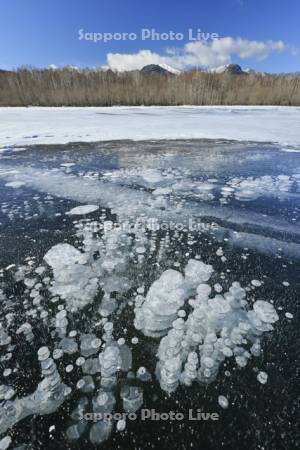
<point>70,87</point>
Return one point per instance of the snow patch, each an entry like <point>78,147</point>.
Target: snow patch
<point>82,210</point>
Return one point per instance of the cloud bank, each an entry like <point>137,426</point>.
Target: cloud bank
<point>200,54</point>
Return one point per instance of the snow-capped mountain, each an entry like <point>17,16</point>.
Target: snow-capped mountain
<point>234,69</point>
<point>219,69</point>
<point>169,68</point>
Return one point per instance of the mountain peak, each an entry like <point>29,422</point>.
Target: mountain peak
<point>160,69</point>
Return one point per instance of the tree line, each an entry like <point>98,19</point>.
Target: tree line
<point>87,87</point>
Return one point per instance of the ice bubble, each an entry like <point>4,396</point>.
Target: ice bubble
<point>100,431</point>
<point>5,339</point>
<point>132,398</point>
<point>219,252</point>
<point>197,272</point>
<point>143,375</point>
<point>68,346</point>
<point>5,443</point>
<point>140,250</point>
<point>80,384</point>
<point>288,315</point>
<point>219,305</point>
<point>67,391</point>
<point>62,255</point>
<point>89,344</point>
<point>256,348</point>
<point>208,362</point>
<point>110,361</point>
<point>167,295</point>
<point>9,394</point>
<point>121,425</point>
<point>74,279</point>
<point>262,377</point>
<point>73,333</point>
<point>91,366</point>
<point>223,401</point>
<point>43,353</point>
<point>47,398</point>
<point>69,368</point>
<point>265,311</point>
<point>57,353</point>
<point>96,343</point>
<point>218,288</point>
<point>26,329</point>
<point>74,432</point>
<point>227,351</point>
<point>80,361</point>
<point>203,290</point>
<point>126,357</point>
<point>241,361</point>
<point>221,326</point>
<point>86,384</point>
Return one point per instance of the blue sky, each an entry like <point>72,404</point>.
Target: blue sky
<point>44,32</point>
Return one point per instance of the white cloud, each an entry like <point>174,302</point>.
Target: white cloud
<point>123,61</point>
<point>200,53</point>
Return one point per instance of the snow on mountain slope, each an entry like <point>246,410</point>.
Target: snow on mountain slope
<point>170,69</point>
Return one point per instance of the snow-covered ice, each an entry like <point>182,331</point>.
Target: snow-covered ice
<point>38,125</point>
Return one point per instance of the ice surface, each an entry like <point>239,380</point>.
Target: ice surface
<point>62,125</point>
<point>80,300</point>
<point>124,201</point>
<point>250,188</point>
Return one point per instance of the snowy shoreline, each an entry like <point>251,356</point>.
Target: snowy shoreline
<point>21,126</point>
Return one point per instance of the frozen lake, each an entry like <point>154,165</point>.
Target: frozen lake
<point>148,274</point>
